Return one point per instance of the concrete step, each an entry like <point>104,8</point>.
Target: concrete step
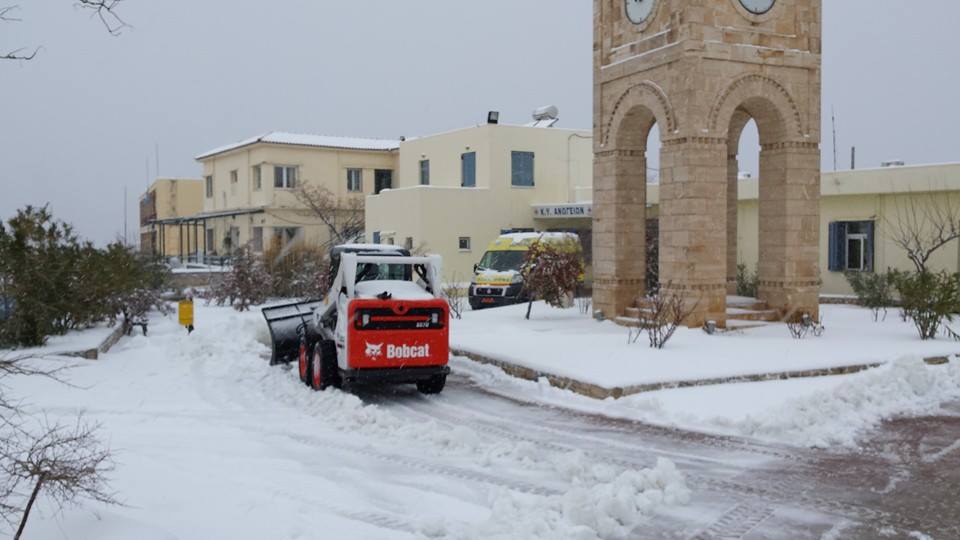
<point>734,325</point>
<point>739,314</point>
<point>629,322</point>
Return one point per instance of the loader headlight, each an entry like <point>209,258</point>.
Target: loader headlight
<point>365,319</point>
<point>435,318</point>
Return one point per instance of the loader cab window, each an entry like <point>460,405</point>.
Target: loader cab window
<point>502,261</point>
<point>381,272</point>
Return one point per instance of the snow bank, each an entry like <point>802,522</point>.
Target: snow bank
<point>837,416</point>
<point>816,412</point>
<point>611,509</point>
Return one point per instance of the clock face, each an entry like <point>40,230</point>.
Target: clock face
<point>638,11</point>
<point>758,7</point>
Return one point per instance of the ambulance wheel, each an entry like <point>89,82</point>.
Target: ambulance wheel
<point>432,386</point>
<point>303,364</point>
<point>323,366</point>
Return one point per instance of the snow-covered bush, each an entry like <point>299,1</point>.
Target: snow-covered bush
<point>246,284</point>
<point>52,282</point>
<point>930,300</point>
<point>551,272</point>
<point>297,271</point>
<point>874,291</point>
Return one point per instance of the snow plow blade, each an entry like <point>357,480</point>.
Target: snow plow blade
<point>287,323</point>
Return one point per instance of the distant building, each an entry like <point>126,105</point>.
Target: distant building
<point>166,201</point>
<point>249,187</point>
<point>457,191</point>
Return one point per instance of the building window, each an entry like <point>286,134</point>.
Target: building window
<point>284,177</point>
<point>234,178</point>
<point>257,239</point>
<point>852,246</point>
<point>210,245</point>
<point>468,169</point>
<point>464,243</point>
<point>257,178</point>
<point>408,243</point>
<point>382,179</point>
<point>354,179</point>
<point>522,169</point>
<point>424,172</point>
<point>286,235</point>
<point>209,185</point>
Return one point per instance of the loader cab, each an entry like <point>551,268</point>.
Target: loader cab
<point>371,272</point>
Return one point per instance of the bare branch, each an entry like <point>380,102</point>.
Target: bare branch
<point>923,227</point>
<point>5,14</point>
<point>343,217</point>
<point>105,10</point>
<point>65,462</point>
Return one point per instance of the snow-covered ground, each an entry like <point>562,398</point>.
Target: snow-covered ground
<point>71,342</point>
<point>566,343</point>
<point>211,442</point>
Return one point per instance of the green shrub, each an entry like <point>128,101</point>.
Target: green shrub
<point>875,291</point>
<point>929,300</point>
<point>746,282</point>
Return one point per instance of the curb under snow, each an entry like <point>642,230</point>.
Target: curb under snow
<point>601,392</point>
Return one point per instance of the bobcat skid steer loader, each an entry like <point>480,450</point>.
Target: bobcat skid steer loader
<point>382,322</point>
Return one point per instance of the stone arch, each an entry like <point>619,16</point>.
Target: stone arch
<point>640,106</point>
<point>765,100</point>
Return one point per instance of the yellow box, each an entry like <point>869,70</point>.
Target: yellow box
<point>186,313</point>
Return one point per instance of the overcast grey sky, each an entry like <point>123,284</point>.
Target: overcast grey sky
<point>79,122</point>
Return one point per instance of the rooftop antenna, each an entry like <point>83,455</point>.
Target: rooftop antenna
<point>834,115</point>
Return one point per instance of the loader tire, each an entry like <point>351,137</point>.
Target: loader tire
<point>303,364</point>
<point>323,366</point>
<point>432,386</point>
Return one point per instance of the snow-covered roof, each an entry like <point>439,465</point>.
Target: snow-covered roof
<point>317,141</point>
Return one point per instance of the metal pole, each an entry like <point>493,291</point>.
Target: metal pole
<point>204,240</point>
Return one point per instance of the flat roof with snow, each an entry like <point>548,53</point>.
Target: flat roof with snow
<point>316,141</point>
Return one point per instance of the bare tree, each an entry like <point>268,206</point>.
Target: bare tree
<point>342,216</point>
<point>922,227</point>
<point>104,10</point>
<point>64,462</point>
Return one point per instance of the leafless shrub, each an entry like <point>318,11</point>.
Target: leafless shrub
<point>584,303</point>
<point>64,462</point>
<point>803,326</point>
<point>248,283</point>
<point>455,294</point>
<point>664,312</point>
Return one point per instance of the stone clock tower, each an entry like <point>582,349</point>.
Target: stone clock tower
<point>701,70</point>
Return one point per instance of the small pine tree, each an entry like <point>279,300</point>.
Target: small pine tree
<point>551,272</point>
<point>248,283</point>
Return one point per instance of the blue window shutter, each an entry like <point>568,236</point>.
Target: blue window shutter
<point>838,247</point>
<point>870,227</point>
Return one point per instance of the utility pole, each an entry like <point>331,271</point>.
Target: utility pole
<point>853,158</point>
<point>833,114</point>
<point>126,239</point>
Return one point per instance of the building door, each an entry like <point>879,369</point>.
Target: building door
<point>382,179</point>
